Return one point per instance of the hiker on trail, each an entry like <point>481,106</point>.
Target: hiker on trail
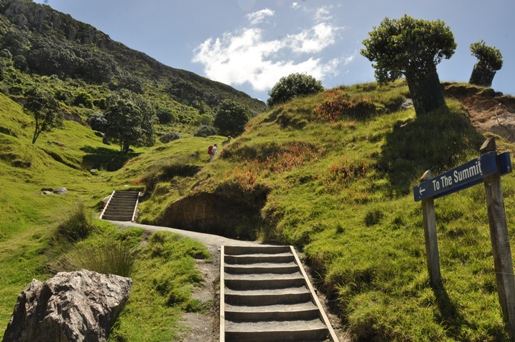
<point>212,154</point>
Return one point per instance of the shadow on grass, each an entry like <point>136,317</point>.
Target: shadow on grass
<point>437,141</point>
<point>449,316</point>
<point>105,158</point>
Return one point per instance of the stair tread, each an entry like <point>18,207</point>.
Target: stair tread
<point>268,292</point>
<point>271,308</point>
<point>258,255</point>
<point>263,276</point>
<point>274,326</point>
<point>264,265</point>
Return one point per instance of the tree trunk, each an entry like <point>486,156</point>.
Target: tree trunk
<point>482,76</point>
<point>426,92</point>
<point>125,147</point>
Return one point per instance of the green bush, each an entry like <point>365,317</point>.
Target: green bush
<point>170,136</point>
<point>205,131</point>
<point>293,85</point>
<point>231,118</point>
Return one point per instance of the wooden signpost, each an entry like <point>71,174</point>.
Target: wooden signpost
<point>487,168</point>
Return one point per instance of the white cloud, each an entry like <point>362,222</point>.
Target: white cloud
<point>323,14</point>
<point>295,5</point>
<point>258,17</point>
<point>247,56</point>
<point>313,40</point>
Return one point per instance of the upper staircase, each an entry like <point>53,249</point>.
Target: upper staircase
<point>121,206</point>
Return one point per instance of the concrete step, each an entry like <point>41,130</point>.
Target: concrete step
<point>122,218</point>
<point>292,295</point>
<point>265,267</point>
<point>301,311</point>
<point>272,331</point>
<point>269,249</point>
<point>259,258</point>
<point>263,281</point>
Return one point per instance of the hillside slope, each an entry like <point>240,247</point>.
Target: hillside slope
<point>332,174</point>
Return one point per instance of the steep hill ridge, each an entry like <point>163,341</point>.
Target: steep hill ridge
<point>46,41</point>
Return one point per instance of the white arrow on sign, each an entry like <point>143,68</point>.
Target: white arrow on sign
<point>421,191</point>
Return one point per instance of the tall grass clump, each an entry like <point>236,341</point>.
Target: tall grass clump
<point>76,227</point>
<point>108,257</point>
<point>164,279</point>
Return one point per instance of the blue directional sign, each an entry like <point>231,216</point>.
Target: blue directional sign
<point>463,176</point>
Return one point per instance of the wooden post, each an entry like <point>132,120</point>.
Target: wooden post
<point>433,259</point>
<point>500,243</point>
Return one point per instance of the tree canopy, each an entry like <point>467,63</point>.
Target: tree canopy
<point>412,48</point>
<point>231,118</point>
<point>129,120</point>
<point>489,61</point>
<point>292,86</point>
<point>45,109</point>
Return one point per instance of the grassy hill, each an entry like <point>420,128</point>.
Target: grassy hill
<point>331,174</point>
<point>339,187</point>
<point>336,186</point>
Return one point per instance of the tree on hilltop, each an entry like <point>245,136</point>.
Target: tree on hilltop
<point>45,109</point>
<point>489,61</point>
<point>129,120</point>
<point>411,48</point>
<point>292,86</point>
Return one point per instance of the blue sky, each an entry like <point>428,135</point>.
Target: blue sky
<point>251,44</point>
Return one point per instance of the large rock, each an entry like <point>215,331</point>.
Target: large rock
<point>72,306</point>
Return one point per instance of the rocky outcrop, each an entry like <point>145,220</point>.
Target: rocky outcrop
<point>72,306</point>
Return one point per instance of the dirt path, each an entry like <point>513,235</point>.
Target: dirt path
<point>205,326</point>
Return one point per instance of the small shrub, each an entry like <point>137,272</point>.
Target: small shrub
<point>77,227</point>
<point>170,136</point>
<point>97,122</point>
<point>83,99</point>
<point>205,131</point>
<point>165,116</point>
<point>337,104</point>
<point>373,217</point>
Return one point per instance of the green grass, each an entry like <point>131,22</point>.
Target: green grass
<point>44,234</point>
<point>339,190</point>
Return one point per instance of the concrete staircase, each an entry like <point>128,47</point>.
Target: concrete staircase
<point>121,206</point>
<point>265,295</point>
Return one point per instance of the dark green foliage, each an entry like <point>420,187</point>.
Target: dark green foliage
<point>205,131</point>
<point>83,99</point>
<point>165,116</point>
<point>411,48</point>
<point>231,118</point>
<point>489,61</point>
<point>20,62</point>
<point>48,56</point>
<point>130,82</point>
<point>170,136</point>
<point>130,120</point>
<point>15,42</point>
<point>45,109</point>
<point>293,85</point>
<point>97,122</point>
